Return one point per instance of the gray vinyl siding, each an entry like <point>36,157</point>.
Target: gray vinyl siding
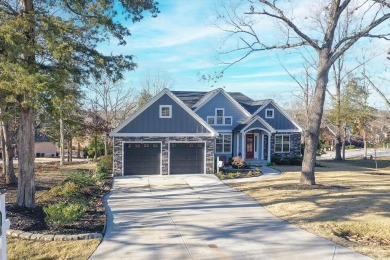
<point>149,122</point>
<point>279,122</point>
<point>220,101</point>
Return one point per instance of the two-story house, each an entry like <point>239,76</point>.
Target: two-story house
<point>181,132</point>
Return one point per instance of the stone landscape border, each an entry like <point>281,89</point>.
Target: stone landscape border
<point>48,237</point>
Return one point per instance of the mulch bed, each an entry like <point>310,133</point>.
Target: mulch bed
<point>308,187</point>
<point>377,173</point>
<point>363,239</point>
<point>33,220</point>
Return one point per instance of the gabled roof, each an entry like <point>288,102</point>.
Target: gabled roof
<point>270,101</point>
<point>197,99</point>
<point>190,98</point>
<point>116,131</point>
<point>41,138</point>
<point>207,97</point>
<point>251,122</point>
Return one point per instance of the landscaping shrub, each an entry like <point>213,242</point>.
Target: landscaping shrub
<point>221,175</point>
<point>61,213</point>
<point>238,162</point>
<point>279,160</point>
<point>101,172</point>
<point>296,160</point>
<point>82,178</point>
<point>250,174</point>
<point>69,189</point>
<point>105,161</point>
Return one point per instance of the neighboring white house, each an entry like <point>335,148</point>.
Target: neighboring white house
<point>44,147</point>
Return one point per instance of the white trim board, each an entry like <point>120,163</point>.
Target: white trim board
<point>206,98</point>
<point>164,134</point>
<point>280,110</point>
<point>165,91</point>
<point>262,121</point>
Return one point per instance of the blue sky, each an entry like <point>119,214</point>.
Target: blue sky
<point>183,41</point>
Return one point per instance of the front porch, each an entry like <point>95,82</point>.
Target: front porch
<point>253,141</point>
<point>254,146</point>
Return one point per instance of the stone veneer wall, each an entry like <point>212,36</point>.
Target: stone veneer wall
<point>164,141</point>
<point>295,144</point>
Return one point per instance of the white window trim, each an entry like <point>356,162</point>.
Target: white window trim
<point>289,143</point>
<point>223,118</point>
<point>231,120</point>
<point>223,144</point>
<point>170,111</point>
<point>216,116</point>
<point>273,113</point>
<point>207,120</point>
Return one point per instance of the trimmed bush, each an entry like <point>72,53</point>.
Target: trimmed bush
<point>61,213</point>
<point>82,178</point>
<point>279,160</point>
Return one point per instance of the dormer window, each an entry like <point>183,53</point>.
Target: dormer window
<point>210,120</point>
<point>219,114</point>
<point>269,113</point>
<point>219,118</point>
<point>165,111</point>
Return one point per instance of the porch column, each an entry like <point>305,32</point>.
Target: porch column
<point>243,145</point>
<point>262,146</point>
<point>269,148</point>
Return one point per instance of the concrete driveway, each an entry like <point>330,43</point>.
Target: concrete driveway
<point>199,217</point>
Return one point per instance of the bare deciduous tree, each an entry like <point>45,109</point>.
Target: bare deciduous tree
<point>316,32</point>
<point>113,101</point>
<point>151,84</point>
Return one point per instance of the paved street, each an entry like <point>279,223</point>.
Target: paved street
<point>356,153</point>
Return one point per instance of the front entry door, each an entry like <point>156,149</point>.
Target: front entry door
<point>249,146</point>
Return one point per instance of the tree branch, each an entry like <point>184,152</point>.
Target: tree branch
<point>377,89</point>
<point>280,16</point>
<point>9,10</point>
<point>335,54</point>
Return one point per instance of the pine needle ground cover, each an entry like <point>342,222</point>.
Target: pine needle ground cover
<point>350,205</point>
<point>59,190</point>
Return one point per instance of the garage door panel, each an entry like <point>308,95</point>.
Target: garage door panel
<point>142,158</point>
<point>187,158</point>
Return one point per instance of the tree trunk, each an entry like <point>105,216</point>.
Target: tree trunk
<point>26,180</point>
<point>2,149</point>
<point>8,155</point>
<point>338,147</point>
<point>62,142</point>
<point>105,144</point>
<point>339,128</point>
<point>96,147</point>
<point>365,143</point>
<point>316,111</point>
<point>70,149</point>
<point>78,150</point>
<point>343,143</point>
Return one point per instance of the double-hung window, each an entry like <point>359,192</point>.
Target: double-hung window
<point>223,143</point>
<point>269,113</point>
<point>282,143</point>
<point>219,115</point>
<point>165,111</point>
<point>219,118</point>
